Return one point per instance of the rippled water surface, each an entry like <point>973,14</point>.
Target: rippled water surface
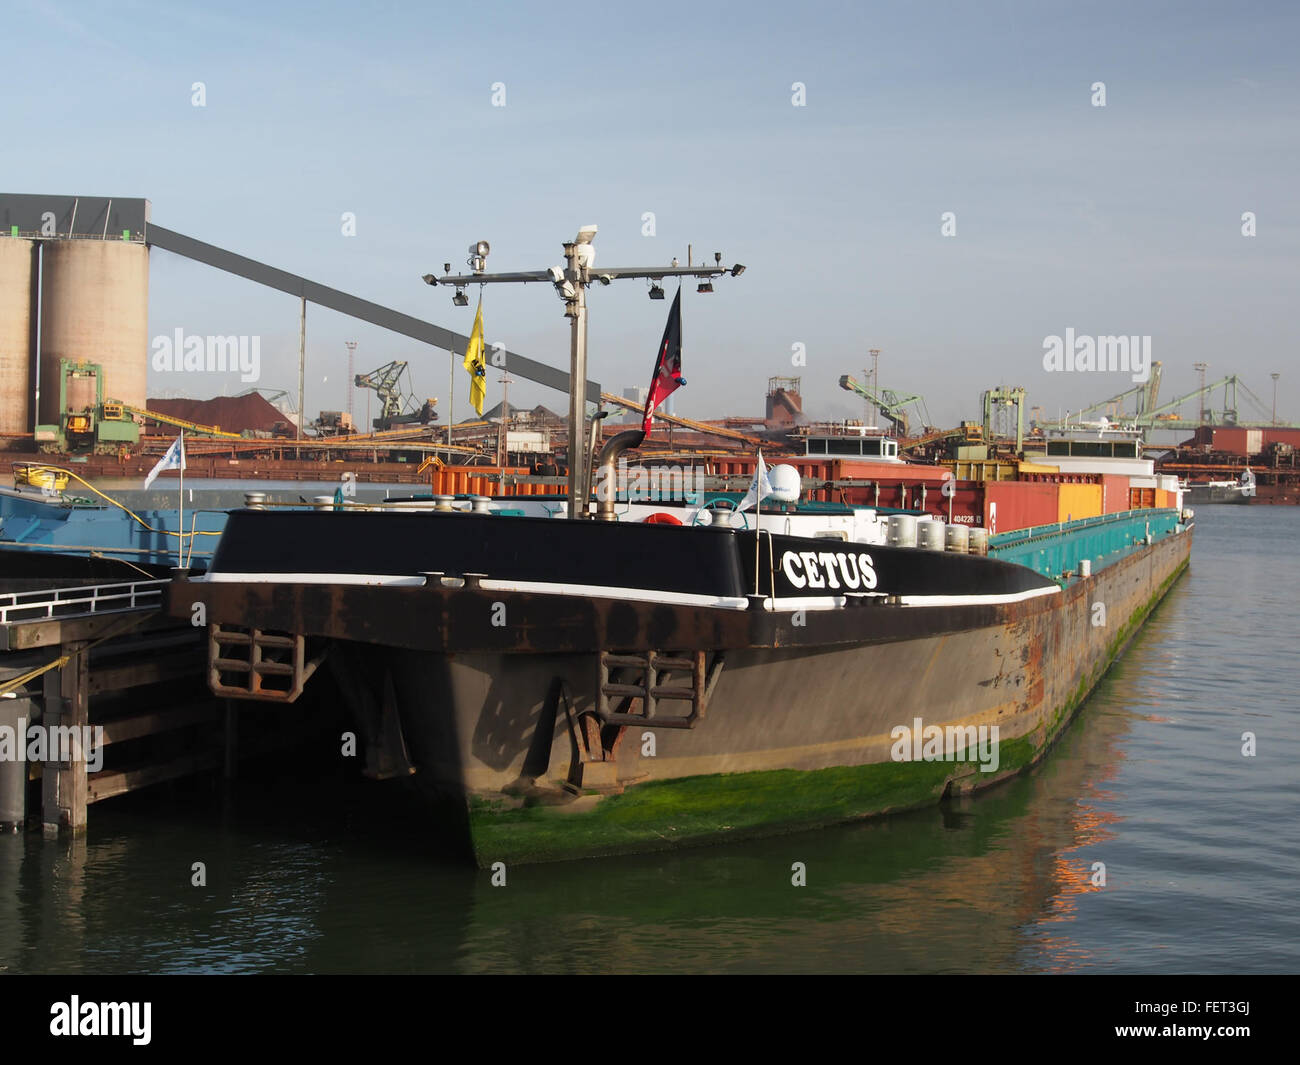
<point>1200,846</point>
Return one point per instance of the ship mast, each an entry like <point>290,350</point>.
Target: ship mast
<point>570,282</point>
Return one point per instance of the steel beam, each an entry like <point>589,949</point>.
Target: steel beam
<point>324,296</point>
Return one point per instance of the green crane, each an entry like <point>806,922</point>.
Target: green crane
<point>387,385</point>
<point>996,402</point>
<point>396,407</point>
<point>1157,418</point>
<point>1144,396</point>
<point>891,404</point>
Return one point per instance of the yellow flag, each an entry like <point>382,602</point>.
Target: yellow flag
<point>474,363</point>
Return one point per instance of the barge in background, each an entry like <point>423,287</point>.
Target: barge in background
<point>66,537</point>
<point>574,688</point>
<point>1241,490</point>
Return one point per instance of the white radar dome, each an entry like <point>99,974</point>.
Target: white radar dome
<point>785,484</point>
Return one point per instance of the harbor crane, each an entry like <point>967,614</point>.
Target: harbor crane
<point>997,409</point>
<point>892,405</point>
<point>1144,396</point>
<point>1158,418</point>
<point>397,407</point>
<point>1151,418</point>
<point>1153,415</point>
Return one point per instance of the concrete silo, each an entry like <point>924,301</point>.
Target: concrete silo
<point>17,335</point>
<point>95,308</point>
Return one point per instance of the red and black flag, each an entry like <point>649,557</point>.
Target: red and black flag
<point>667,377</point>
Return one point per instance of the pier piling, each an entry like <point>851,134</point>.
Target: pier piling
<point>13,770</point>
<point>67,707</point>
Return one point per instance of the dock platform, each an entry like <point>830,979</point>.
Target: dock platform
<point>86,669</point>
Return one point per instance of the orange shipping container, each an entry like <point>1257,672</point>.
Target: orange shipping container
<point>1078,501</point>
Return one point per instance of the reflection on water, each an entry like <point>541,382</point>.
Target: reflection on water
<point>1198,843</point>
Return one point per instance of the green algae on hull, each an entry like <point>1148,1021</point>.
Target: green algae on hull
<point>688,811</point>
<point>692,811</point>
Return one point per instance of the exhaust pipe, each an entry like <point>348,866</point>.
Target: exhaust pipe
<point>606,487</point>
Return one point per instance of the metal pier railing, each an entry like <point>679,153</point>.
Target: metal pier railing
<point>48,604</point>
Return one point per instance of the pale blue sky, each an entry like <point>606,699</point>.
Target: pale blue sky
<point>1123,219</point>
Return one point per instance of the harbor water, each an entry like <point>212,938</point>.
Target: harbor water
<point>1160,835</point>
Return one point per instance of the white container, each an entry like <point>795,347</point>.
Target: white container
<point>979,540</point>
<point>930,535</point>
<point>957,538</point>
<point>902,530</point>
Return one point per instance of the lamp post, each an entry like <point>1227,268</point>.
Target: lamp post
<point>570,282</point>
<point>1275,377</point>
<point>1200,368</point>
<point>351,345</point>
<point>503,443</point>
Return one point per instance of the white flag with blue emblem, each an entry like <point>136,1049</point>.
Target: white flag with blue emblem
<point>759,488</point>
<point>173,460</point>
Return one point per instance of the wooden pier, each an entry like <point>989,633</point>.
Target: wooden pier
<point>105,661</point>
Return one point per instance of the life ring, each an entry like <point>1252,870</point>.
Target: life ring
<point>662,519</point>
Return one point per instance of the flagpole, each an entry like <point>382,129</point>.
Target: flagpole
<point>758,515</point>
<point>180,513</point>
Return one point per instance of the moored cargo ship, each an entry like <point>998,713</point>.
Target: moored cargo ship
<point>660,672</point>
<point>575,688</point>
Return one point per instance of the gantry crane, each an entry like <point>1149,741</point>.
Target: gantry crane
<point>997,402</point>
